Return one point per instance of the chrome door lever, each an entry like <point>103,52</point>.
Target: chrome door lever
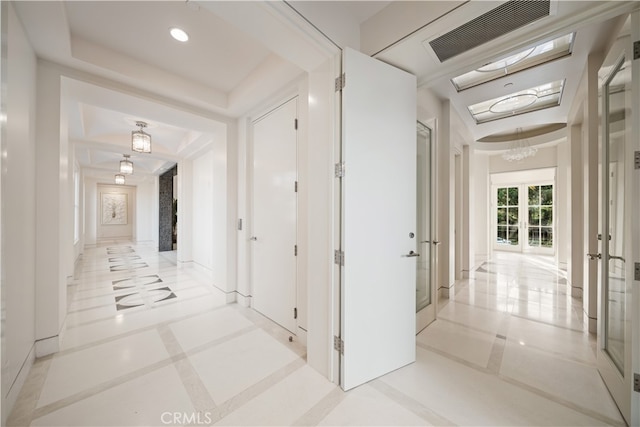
<point>253,238</point>
<point>435,242</point>
<point>411,254</point>
<point>594,256</point>
<point>616,257</point>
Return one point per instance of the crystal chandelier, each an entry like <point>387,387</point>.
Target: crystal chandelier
<point>140,140</point>
<point>119,179</point>
<point>126,165</point>
<point>520,149</point>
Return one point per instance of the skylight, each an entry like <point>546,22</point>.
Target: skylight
<point>525,101</point>
<point>540,54</point>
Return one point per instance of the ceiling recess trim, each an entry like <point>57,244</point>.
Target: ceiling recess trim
<point>497,22</point>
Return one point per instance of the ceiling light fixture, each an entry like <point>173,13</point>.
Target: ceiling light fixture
<point>520,149</point>
<point>126,165</point>
<point>179,34</point>
<point>119,179</point>
<point>140,140</point>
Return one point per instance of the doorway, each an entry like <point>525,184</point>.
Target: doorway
<point>523,211</point>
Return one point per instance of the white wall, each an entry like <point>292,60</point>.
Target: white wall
<point>202,211</point>
<point>481,212</point>
<point>209,213</point>
<point>18,211</point>
<point>146,215</point>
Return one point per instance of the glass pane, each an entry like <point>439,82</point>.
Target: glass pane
<point>546,237</point>
<point>546,216</point>
<point>513,196</point>
<point>513,235</point>
<point>502,216</point>
<point>616,91</point>
<point>502,234</point>
<point>534,236</point>
<point>534,195</point>
<point>502,197</point>
<point>512,213</point>
<point>547,194</point>
<point>423,223</point>
<point>534,216</point>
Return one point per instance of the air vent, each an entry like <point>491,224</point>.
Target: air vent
<point>493,24</point>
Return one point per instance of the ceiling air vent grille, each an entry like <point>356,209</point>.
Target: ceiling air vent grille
<point>493,24</point>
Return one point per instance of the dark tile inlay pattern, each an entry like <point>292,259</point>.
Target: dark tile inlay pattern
<point>127,267</point>
<point>136,281</point>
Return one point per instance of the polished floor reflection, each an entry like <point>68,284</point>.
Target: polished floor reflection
<point>508,348</point>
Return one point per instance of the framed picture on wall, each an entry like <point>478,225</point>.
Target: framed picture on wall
<point>114,209</point>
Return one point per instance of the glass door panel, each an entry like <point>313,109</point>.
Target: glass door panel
<point>424,236</point>
<point>540,221</point>
<point>507,217</point>
<point>614,256</point>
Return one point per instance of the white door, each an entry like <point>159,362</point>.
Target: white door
<point>617,217</point>
<point>425,224</point>
<point>273,232</point>
<point>378,280</point>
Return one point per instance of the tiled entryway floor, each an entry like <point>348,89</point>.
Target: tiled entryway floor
<point>150,344</point>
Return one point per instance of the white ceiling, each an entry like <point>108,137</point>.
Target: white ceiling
<point>227,67</point>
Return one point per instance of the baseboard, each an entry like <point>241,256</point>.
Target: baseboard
<point>243,300</point>
<point>577,292</point>
<point>592,322</point>
<point>10,398</point>
<point>301,336</point>
<point>47,346</point>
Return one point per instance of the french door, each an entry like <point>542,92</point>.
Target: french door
<point>618,222</point>
<point>523,217</point>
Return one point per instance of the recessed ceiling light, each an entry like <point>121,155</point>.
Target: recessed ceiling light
<point>179,34</point>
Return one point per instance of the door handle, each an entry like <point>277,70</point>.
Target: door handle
<point>426,241</point>
<point>253,238</point>
<point>411,254</point>
<point>435,242</point>
<point>594,256</point>
<point>616,257</point>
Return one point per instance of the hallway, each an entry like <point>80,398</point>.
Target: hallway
<point>149,343</point>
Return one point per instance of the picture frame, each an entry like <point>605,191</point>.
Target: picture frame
<point>114,209</point>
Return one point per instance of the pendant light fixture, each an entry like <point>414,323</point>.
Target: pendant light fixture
<point>126,165</point>
<point>119,179</point>
<point>140,140</point>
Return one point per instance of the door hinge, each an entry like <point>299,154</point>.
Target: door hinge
<point>295,187</point>
<point>636,49</point>
<point>636,160</point>
<point>339,170</point>
<point>636,383</point>
<point>295,124</point>
<point>295,250</point>
<point>295,312</point>
<point>338,257</point>
<point>338,344</point>
<point>340,82</point>
<point>636,271</point>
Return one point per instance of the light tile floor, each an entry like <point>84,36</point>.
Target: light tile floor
<point>148,343</point>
